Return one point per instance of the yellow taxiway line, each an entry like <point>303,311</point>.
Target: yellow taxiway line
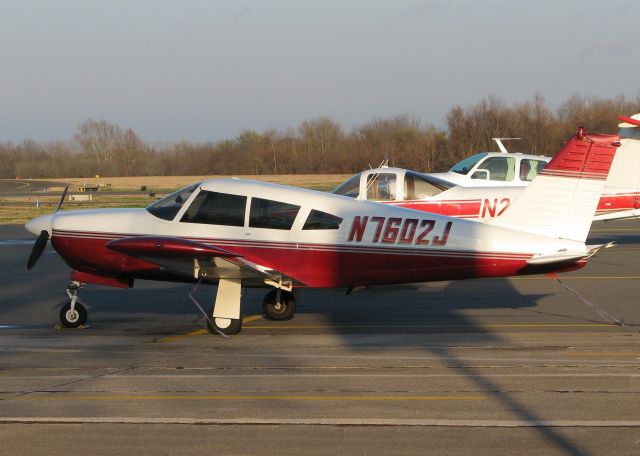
<point>634,355</point>
<point>281,327</point>
<point>156,397</point>
<point>199,332</point>
<point>478,326</point>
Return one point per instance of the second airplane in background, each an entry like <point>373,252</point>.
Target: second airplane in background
<point>437,193</point>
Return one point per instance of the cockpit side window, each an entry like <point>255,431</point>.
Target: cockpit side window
<point>216,208</point>
<point>272,214</point>
<point>381,187</point>
<point>168,207</point>
<point>498,168</point>
<point>417,187</point>
<point>319,220</point>
<point>350,187</point>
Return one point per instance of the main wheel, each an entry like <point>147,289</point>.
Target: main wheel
<point>228,326</point>
<point>284,309</point>
<point>70,319</point>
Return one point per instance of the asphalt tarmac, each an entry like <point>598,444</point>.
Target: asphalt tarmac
<point>528,365</point>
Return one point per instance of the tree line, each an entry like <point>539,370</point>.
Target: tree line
<point>319,145</point>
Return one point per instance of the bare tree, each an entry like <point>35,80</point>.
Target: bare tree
<point>99,139</point>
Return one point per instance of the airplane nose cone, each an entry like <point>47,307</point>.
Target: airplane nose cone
<point>37,225</point>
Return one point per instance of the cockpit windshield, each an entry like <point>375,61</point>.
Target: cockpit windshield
<point>465,165</point>
<point>168,207</point>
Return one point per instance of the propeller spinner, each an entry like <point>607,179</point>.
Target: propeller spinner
<point>43,224</point>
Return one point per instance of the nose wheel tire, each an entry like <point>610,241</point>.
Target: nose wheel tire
<point>75,318</point>
<point>282,309</point>
<point>228,326</point>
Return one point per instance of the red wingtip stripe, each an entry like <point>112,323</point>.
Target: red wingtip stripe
<point>589,157</point>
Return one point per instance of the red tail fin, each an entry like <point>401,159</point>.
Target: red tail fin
<point>584,156</point>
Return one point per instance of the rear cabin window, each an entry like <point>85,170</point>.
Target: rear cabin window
<point>216,208</point>
<point>169,206</point>
<point>319,220</point>
<point>272,214</point>
<point>529,168</point>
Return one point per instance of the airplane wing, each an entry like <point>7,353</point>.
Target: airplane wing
<point>191,258</point>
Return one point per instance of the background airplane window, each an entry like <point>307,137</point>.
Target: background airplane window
<point>350,187</point>
<point>272,214</point>
<point>418,187</point>
<point>499,168</point>
<point>530,168</point>
<point>465,165</point>
<point>381,187</point>
<point>167,207</point>
<point>319,220</point>
<point>216,209</point>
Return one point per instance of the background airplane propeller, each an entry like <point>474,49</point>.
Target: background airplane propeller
<point>41,241</point>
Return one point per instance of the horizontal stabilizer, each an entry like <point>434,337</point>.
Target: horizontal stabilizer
<point>564,256</point>
<point>627,122</point>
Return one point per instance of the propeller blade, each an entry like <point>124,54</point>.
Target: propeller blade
<point>64,193</point>
<point>38,248</point>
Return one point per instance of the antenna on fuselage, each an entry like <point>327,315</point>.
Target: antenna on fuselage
<point>501,146</point>
<point>371,178</point>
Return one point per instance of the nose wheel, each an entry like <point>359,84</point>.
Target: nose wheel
<point>73,318</point>
<point>73,314</point>
<point>279,305</point>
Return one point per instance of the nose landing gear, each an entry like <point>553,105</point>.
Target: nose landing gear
<point>73,314</point>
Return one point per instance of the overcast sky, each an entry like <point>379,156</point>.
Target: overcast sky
<point>205,70</point>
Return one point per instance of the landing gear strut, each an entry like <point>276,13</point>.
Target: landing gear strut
<point>279,305</point>
<point>224,317</point>
<point>73,314</point>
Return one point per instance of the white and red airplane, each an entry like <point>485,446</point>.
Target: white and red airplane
<point>430,193</point>
<point>238,233</point>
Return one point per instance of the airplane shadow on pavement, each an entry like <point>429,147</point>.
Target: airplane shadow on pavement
<point>446,309</point>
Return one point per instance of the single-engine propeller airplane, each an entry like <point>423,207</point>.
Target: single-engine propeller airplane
<point>620,198</point>
<point>238,233</point>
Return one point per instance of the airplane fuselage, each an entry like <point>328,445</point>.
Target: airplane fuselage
<point>372,244</point>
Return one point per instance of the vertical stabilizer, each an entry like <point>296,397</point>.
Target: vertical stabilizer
<point>625,170</point>
<point>562,199</point>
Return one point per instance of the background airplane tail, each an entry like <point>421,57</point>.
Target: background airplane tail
<point>562,200</point>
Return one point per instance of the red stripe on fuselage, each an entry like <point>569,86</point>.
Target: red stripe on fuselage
<point>315,265</point>
<point>612,202</point>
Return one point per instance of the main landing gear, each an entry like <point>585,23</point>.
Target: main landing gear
<point>224,317</point>
<point>73,314</point>
<point>279,305</point>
